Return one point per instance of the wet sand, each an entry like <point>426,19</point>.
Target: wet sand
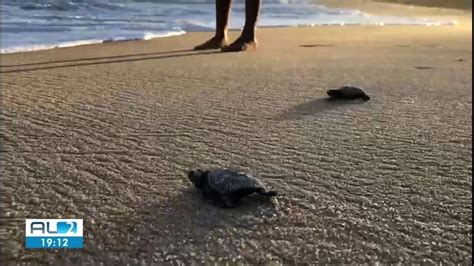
<point>418,6</point>
<point>106,133</point>
<point>454,4</point>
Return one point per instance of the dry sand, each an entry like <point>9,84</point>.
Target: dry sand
<point>106,132</point>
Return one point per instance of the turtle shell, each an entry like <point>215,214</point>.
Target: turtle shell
<point>348,92</point>
<point>351,92</point>
<point>228,181</point>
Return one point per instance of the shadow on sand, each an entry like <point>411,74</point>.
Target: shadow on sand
<point>316,45</point>
<point>101,60</point>
<point>184,221</point>
<point>316,107</point>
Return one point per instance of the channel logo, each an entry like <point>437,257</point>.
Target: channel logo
<point>54,233</point>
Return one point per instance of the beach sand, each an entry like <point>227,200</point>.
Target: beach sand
<point>401,6</point>
<point>106,133</point>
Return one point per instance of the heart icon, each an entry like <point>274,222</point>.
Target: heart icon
<point>66,227</point>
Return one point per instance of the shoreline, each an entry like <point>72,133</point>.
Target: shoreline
<point>451,4</point>
<point>412,8</point>
<point>432,6</point>
<point>70,44</point>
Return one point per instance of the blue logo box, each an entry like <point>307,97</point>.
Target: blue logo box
<point>54,233</point>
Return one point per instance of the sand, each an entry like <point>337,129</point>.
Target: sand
<point>454,4</point>
<point>106,132</point>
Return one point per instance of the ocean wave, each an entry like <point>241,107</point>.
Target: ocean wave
<point>44,24</point>
<point>69,5</point>
<point>194,26</point>
<point>151,35</point>
<point>30,48</point>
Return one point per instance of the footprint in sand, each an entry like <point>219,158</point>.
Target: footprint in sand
<point>316,45</point>
<point>424,67</point>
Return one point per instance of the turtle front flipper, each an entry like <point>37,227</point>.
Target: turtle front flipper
<point>222,203</point>
<point>216,199</point>
<point>267,193</point>
<point>231,201</point>
<point>212,196</point>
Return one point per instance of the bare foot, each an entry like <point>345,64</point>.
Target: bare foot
<point>239,45</point>
<point>213,43</point>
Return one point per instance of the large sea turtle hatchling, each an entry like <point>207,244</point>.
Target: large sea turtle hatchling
<point>348,93</point>
<point>226,188</point>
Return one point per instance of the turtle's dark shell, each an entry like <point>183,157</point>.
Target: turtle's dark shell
<point>227,181</point>
<point>226,187</point>
<point>348,93</point>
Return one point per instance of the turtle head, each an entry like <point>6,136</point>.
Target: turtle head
<point>197,177</point>
<point>365,97</point>
<point>335,94</point>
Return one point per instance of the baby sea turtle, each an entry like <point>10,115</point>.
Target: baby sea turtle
<point>226,188</point>
<point>348,93</point>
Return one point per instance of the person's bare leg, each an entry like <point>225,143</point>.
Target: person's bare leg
<point>222,19</point>
<point>247,39</point>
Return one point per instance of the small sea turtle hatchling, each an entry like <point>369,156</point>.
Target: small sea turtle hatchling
<point>226,188</point>
<point>348,93</point>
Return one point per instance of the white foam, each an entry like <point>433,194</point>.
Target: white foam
<point>151,35</point>
<point>30,48</point>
